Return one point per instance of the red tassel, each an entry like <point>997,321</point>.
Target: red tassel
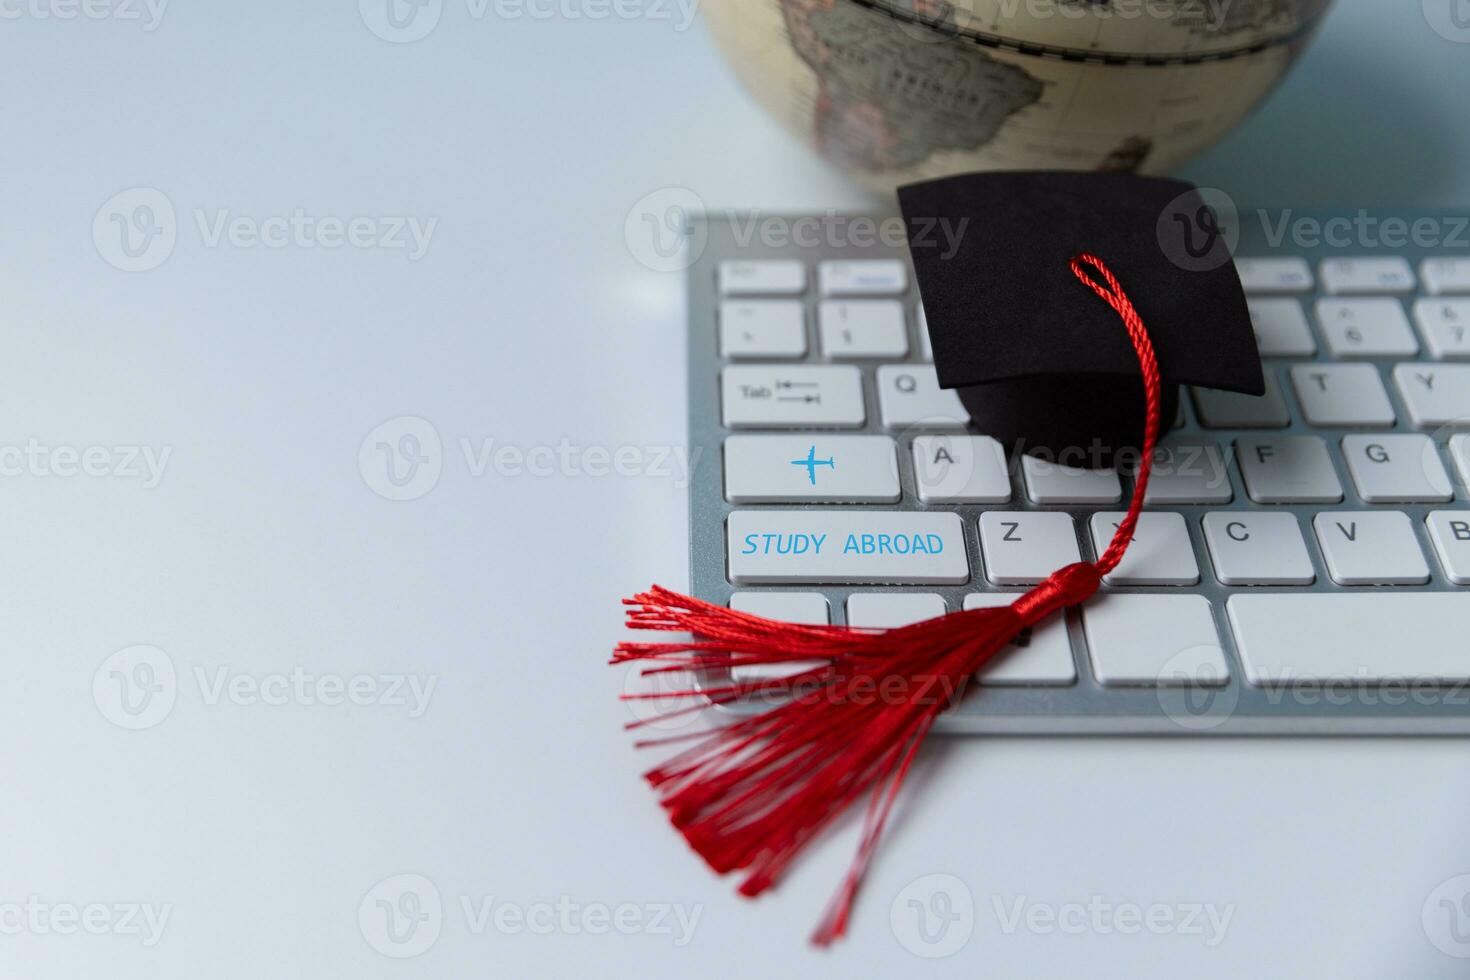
<point>748,797</point>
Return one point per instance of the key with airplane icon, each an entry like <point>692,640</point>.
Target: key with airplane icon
<point>811,468</point>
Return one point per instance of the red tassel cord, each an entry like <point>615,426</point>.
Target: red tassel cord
<point>749,796</point>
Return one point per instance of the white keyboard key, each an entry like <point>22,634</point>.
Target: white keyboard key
<point>765,277</point>
<point>811,468</point>
<point>1161,552</point>
<point>1053,483</point>
<point>1281,328</point>
<point>1258,548</point>
<point>1366,328</point>
<point>1288,470</point>
<point>1397,469</point>
<point>806,608</point>
<point>1435,394</point>
<point>1446,275</point>
<point>1022,548</point>
<point>863,277</point>
<point>1188,472</point>
<point>862,328</point>
<point>891,610</point>
<point>1365,637</point>
<point>762,328</point>
<point>1391,274</point>
<point>1289,275</point>
<point>1231,410</point>
<point>1445,324</point>
<point>1342,394</point>
<point>961,470</point>
<point>1154,641</point>
<point>921,319</point>
<point>909,395</point>
<point>1041,655</point>
<point>1371,548</point>
<point>1450,532</point>
<point>846,548</point>
<point>792,397</point>
<point>1460,454</point>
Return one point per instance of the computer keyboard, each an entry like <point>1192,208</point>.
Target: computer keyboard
<point>1301,567</point>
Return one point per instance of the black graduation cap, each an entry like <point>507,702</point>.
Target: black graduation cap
<point>1038,360</point>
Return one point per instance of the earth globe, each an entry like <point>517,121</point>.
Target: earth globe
<point>893,91</point>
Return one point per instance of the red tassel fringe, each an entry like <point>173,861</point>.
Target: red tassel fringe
<point>750,796</point>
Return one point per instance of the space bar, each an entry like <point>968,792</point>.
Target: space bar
<point>1287,639</point>
<point>853,547</point>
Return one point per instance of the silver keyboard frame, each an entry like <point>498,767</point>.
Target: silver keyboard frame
<point>1087,706</point>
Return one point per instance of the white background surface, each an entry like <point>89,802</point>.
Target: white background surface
<point>263,550</point>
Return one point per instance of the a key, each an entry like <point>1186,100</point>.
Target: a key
<point>762,328</point>
<point>1154,641</point>
<point>846,547</point>
<point>1370,548</point>
<point>1342,394</point>
<point>1022,548</point>
<point>1188,472</point>
<point>1230,410</point>
<point>909,395</point>
<point>863,277</point>
<point>1450,532</point>
<point>1256,548</point>
<point>1435,394</point>
<point>1161,552</point>
<point>921,320</point>
<point>1391,274</point>
<point>1445,324</point>
<point>1460,453</point>
<point>1276,275</point>
<point>1288,470</point>
<point>1281,328</point>
<point>862,328</point>
<point>1364,638</point>
<point>1053,483</point>
<point>1446,275</point>
<point>891,610</point>
<point>961,470</point>
<point>812,468</point>
<point>1366,328</point>
<point>1041,655</point>
<point>792,397</point>
<point>762,277</point>
<point>806,608</point>
<point>1403,469</point>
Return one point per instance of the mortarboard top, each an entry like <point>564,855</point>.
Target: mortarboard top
<point>1038,360</point>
